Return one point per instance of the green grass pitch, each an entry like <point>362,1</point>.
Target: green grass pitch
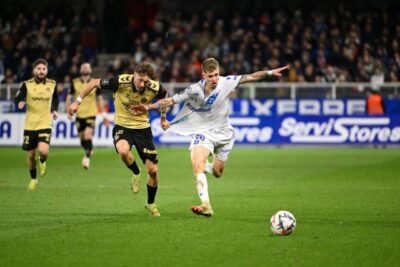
<point>346,202</point>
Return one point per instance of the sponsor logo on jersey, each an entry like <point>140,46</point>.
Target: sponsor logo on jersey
<point>41,99</point>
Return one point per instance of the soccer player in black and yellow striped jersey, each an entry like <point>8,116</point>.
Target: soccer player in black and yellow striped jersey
<point>133,128</point>
<point>39,94</point>
<point>86,115</point>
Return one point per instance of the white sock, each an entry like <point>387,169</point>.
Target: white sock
<point>202,189</point>
<point>209,167</point>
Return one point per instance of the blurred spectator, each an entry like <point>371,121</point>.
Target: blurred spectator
<point>329,75</point>
<point>62,96</point>
<point>9,77</point>
<point>24,70</point>
<point>377,78</point>
<point>375,104</point>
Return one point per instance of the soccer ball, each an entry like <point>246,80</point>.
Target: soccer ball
<point>283,223</point>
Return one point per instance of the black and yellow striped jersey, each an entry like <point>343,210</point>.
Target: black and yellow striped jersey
<point>41,99</point>
<point>88,107</point>
<point>127,96</point>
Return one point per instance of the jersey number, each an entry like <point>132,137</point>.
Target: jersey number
<point>26,139</point>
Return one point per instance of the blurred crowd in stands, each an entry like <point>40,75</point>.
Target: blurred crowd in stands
<point>64,39</point>
<point>339,44</point>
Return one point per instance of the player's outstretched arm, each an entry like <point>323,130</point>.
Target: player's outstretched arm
<point>161,104</point>
<point>259,75</point>
<point>89,87</point>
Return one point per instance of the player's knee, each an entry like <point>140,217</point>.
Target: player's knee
<point>198,165</point>
<point>152,170</point>
<point>218,171</point>
<point>123,152</point>
<point>43,152</point>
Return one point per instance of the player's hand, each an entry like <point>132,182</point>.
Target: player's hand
<point>143,107</point>
<point>139,109</point>
<point>21,104</point>
<point>165,124</point>
<point>55,115</point>
<point>73,108</point>
<point>277,72</point>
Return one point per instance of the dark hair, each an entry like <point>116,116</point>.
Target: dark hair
<point>40,61</point>
<point>209,65</point>
<point>146,68</point>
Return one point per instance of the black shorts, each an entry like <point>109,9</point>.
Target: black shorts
<point>32,138</point>
<point>142,139</point>
<point>83,123</point>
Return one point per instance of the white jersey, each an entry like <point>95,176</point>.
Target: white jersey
<point>200,113</point>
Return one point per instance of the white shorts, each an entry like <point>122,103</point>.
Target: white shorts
<point>219,142</point>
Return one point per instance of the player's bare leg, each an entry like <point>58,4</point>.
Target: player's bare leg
<point>30,156</point>
<point>43,149</point>
<point>126,156</point>
<point>86,141</point>
<point>199,155</point>
<point>152,185</point>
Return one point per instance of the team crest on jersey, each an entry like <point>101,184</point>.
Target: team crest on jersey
<point>212,99</point>
<point>143,100</point>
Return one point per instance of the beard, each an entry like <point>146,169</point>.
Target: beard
<point>40,77</point>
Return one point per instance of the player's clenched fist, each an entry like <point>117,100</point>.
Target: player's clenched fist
<point>73,108</point>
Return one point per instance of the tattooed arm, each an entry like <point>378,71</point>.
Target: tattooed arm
<point>162,104</point>
<point>163,118</point>
<point>259,75</point>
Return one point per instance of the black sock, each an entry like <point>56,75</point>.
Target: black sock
<point>33,173</point>
<point>41,160</point>
<point>89,147</point>
<point>134,167</point>
<point>151,194</point>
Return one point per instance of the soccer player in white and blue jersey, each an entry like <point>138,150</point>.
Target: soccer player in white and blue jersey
<point>205,117</point>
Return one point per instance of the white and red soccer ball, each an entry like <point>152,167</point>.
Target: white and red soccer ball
<point>283,223</point>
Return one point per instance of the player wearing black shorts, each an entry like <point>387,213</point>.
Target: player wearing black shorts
<point>86,115</point>
<point>132,128</point>
<point>39,94</point>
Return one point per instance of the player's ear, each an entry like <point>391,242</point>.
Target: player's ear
<point>203,74</point>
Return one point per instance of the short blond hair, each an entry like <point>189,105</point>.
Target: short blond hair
<point>209,65</point>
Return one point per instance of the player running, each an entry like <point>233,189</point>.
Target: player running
<point>39,94</point>
<point>86,115</point>
<point>133,129</point>
<point>205,117</point>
